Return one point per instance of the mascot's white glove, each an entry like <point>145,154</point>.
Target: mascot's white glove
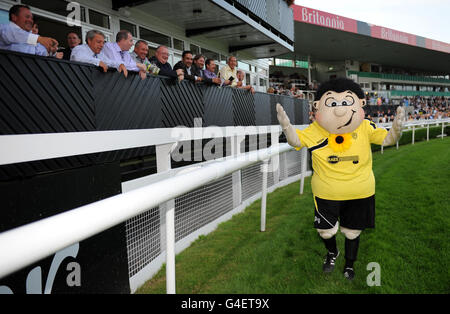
<point>287,128</point>
<point>396,131</point>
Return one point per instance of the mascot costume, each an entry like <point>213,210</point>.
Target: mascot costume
<point>343,183</point>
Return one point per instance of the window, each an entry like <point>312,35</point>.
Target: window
<point>4,17</point>
<point>178,44</point>
<point>262,82</point>
<point>155,37</point>
<point>284,63</point>
<point>210,54</point>
<point>128,27</point>
<point>99,19</point>
<point>54,6</point>
<point>195,49</point>
<point>243,66</point>
<point>247,79</point>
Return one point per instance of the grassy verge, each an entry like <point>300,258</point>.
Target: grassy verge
<point>410,242</point>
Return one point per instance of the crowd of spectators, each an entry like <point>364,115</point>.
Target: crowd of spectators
<point>22,35</point>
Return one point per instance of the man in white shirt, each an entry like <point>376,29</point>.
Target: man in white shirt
<point>229,72</point>
<point>119,52</point>
<point>92,53</point>
<point>17,35</point>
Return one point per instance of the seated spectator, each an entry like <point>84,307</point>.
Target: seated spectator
<point>186,65</point>
<point>140,54</point>
<point>229,72</point>
<point>210,73</point>
<point>270,90</point>
<point>73,40</point>
<point>92,53</point>
<point>119,52</point>
<point>241,77</point>
<point>160,60</point>
<point>17,35</point>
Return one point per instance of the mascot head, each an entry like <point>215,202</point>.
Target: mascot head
<point>339,106</point>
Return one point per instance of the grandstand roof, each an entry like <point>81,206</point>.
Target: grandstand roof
<point>242,25</point>
<point>329,37</point>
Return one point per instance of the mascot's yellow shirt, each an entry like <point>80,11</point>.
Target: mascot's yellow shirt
<point>343,175</point>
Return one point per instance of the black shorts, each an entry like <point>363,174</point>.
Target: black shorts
<point>356,214</point>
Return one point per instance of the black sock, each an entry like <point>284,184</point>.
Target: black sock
<point>351,251</point>
<point>330,244</point>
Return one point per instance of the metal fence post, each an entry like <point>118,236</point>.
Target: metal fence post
<point>304,168</point>
<point>167,212</point>
<point>428,132</point>
<point>382,148</point>
<point>443,123</point>
<point>413,133</point>
<point>265,170</point>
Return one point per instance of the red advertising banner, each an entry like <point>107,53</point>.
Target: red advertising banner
<point>437,45</point>
<point>312,16</point>
<point>324,19</point>
<point>393,35</point>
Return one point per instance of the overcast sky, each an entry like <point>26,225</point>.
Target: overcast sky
<point>426,18</point>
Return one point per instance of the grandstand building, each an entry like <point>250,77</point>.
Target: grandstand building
<point>385,62</point>
<point>251,30</point>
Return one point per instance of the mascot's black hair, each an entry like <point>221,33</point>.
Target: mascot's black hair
<point>339,85</point>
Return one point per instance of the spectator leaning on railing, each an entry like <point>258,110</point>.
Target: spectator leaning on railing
<point>199,64</point>
<point>73,40</point>
<point>140,54</point>
<point>229,72</point>
<point>41,50</point>
<point>119,52</point>
<point>160,60</point>
<point>17,35</point>
<point>186,64</point>
<point>92,53</point>
<point>241,77</point>
<point>210,73</point>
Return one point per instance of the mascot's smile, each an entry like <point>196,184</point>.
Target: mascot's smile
<point>349,121</point>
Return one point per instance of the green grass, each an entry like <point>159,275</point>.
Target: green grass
<point>410,241</point>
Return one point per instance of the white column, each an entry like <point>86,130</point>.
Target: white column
<point>264,169</point>
<point>167,223</point>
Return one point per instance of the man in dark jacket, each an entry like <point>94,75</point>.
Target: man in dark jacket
<point>73,40</point>
<point>191,73</point>
<point>160,60</point>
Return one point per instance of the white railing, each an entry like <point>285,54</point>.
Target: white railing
<point>31,244</point>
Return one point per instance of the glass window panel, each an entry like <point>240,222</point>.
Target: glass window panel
<point>54,6</point>
<point>210,54</point>
<point>178,44</point>
<point>4,17</point>
<point>128,27</point>
<point>99,19</point>
<point>155,37</point>
<point>243,66</point>
<point>195,49</point>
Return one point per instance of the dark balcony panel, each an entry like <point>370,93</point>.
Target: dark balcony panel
<point>127,103</point>
<point>218,106</point>
<point>243,108</point>
<point>262,108</point>
<point>301,109</point>
<point>43,95</point>
<point>181,103</point>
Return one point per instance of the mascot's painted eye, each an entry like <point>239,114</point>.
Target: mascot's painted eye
<point>344,103</point>
<point>331,102</point>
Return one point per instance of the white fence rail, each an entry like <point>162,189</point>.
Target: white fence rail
<point>145,195</point>
<point>31,244</point>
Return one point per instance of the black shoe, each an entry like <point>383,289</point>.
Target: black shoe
<point>330,261</point>
<point>349,273</point>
